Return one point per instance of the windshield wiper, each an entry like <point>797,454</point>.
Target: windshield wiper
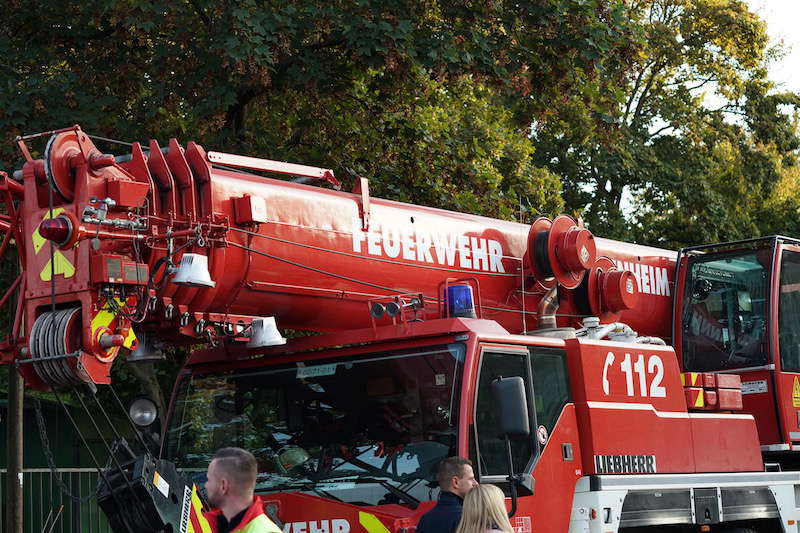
<point>355,461</point>
<point>307,486</point>
<point>400,493</point>
<point>412,502</point>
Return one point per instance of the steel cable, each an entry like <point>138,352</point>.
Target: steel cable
<point>374,285</point>
<point>48,454</point>
<point>100,471</point>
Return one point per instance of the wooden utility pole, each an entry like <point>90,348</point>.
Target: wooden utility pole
<point>14,451</point>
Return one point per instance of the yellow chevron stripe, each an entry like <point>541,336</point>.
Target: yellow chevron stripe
<point>699,401</point>
<point>62,266</point>
<point>371,523</point>
<point>197,510</point>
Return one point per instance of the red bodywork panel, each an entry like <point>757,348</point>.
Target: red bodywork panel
<point>762,404</point>
<point>635,390</point>
<point>788,399</point>
<point>605,419</point>
<point>552,471</point>
<point>304,512</point>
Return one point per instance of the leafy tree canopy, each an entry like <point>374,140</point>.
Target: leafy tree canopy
<point>652,119</point>
<point>430,100</point>
<point>698,147</point>
<point>427,96</point>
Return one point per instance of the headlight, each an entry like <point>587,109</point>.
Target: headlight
<point>143,412</point>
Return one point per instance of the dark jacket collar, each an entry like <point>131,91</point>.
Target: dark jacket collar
<point>255,509</point>
<point>449,498</point>
<point>224,525</point>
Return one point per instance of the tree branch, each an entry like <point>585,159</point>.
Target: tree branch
<point>703,83</point>
<point>659,130</point>
<point>635,89</point>
<point>235,114</point>
<point>645,91</point>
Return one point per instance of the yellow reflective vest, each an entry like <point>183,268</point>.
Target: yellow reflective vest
<point>254,520</point>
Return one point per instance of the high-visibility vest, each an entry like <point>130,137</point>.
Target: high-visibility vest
<point>254,521</point>
<point>198,523</point>
<point>259,524</point>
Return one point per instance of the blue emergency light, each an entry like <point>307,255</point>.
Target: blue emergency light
<point>459,301</point>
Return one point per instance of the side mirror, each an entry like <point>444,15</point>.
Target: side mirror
<point>511,406</point>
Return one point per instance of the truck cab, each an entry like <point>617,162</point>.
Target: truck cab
<point>348,430</point>
<point>737,312</point>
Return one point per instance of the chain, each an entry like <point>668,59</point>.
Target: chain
<point>48,453</point>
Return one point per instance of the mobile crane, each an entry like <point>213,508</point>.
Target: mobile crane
<point>426,321</point>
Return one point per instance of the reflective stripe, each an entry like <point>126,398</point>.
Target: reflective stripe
<point>371,523</point>
<point>62,266</point>
<point>662,414</point>
<point>700,397</point>
<point>128,342</point>
<point>198,522</point>
<point>260,524</point>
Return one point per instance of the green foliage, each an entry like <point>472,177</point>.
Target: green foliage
<point>697,148</point>
<point>430,100</point>
<point>204,70</point>
<point>448,146</point>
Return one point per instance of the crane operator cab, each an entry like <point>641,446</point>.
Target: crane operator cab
<point>738,311</point>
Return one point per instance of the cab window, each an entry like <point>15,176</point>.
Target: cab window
<point>725,311</point>
<point>550,385</point>
<point>789,312</point>
<point>491,449</point>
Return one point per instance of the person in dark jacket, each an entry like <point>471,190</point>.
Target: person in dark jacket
<point>456,479</point>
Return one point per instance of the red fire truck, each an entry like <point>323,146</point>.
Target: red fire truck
<point>421,317</point>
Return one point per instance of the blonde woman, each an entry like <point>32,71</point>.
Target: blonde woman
<point>485,511</point>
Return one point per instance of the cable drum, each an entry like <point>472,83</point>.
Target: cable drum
<point>57,344</point>
<point>56,334</point>
<point>56,347</point>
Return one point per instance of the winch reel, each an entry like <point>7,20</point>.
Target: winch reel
<point>56,339</point>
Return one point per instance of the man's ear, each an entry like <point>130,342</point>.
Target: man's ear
<point>224,485</point>
<point>454,482</point>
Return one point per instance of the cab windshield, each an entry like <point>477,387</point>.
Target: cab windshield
<point>724,315</point>
<point>366,430</point>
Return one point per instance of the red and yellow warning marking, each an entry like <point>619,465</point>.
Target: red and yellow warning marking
<point>61,265</point>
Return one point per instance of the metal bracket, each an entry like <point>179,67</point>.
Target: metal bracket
<point>279,167</point>
<point>362,187</point>
<point>48,358</point>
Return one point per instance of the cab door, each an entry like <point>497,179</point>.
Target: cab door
<point>490,448</point>
<point>725,322</point>
<point>786,343</point>
<point>549,458</point>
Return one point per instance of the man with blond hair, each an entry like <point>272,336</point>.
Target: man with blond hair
<point>231,482</point>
